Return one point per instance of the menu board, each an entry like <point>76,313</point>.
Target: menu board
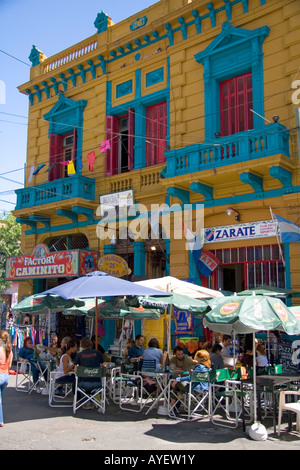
<point>288,358</point>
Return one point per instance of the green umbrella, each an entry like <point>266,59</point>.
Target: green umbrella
<point>181,302</point>
<point>246,314</point>
<point>42,304</point>
<point>270,290</point>
<point>113,309</point>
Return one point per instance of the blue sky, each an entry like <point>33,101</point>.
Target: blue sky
<point>51,27</point>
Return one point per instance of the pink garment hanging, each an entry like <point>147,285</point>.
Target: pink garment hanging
<point>105,146</point>
<point>91,160</point>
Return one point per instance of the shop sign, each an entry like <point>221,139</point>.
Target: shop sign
<point>183,321</point>
<point>263,229</point>
<point>42,263</point>
<point>113,200</point>
<point>114,265</point>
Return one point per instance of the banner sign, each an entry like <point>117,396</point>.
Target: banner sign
<point>120,199</point>
<point>114,265</point>
<point>207,263</point>
<point>262,229</point>
<point>183,321</point>
<point>42,263</point>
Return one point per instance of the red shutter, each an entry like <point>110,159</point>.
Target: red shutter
<point>235,104</point>
<point>156,131</point>
<point>55,156</point>
<point>130,139</point>
<point>74,150</point>
<point>111,155</point>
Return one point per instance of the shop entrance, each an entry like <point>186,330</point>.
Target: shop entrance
<point>232,277</point>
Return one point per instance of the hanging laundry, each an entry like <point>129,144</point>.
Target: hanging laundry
<point>31,173</point>
<point>39,168</point>
<point>91,160</point>
<point>66,162</point>
<point>51,166</point>
<point>105,146</point>
<point>71,168</point>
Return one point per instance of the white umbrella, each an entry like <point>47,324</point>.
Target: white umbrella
<point>172,284</point>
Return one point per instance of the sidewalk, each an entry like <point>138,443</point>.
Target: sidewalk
<point>32,425</point>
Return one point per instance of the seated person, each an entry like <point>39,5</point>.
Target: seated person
<point>88,357</point>
<point>136,352</point>
<point>130,343</point>
<point>180,362</point>
<point>100,348</point>
<point>203,365</point>
<point>26,354</point>
<point>66,365</point>
<point>216,358</point>
<point>261,357</point>
<point>153,353</point>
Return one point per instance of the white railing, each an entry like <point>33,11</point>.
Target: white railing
<point>70,56</point>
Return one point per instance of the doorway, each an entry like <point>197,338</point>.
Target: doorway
<point>231,277</point>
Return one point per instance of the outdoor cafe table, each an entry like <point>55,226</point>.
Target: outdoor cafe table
<point>271,382</point>
<point>162,378</point>
<point>44,372</point>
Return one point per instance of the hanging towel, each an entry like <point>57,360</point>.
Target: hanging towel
<point>71,168</point>
<point>104,146</point>
<point>31,174</point>
<point>91,160</point>
<point>51,166</point>
<point>39,168</point>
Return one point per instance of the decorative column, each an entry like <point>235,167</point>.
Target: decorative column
<point>139,266</point>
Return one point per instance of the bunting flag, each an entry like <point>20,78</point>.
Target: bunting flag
<point>91,160</point>
<point>194,243</point>
<point>39,168</point>
<point>289,232</point>
<point>71,168</point>
<point>105,146</point>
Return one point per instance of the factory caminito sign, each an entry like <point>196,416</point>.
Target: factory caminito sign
<point>44,264</point>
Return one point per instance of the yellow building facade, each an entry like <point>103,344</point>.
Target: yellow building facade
<point>187,105</point>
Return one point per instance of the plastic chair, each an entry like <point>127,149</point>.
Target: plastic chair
<point>130,387</point>
<point>24,383</point>
<point>90,391</point>
<point>58,393</point>
<point>284,406</point>
<point>198,399</point>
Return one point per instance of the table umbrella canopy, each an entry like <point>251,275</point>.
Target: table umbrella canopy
<point>38,304</point>
<point>271,291</point>
<point>117,308</point>
<point>120,308</point>
<point>181,302</point>
<point>172,284</point>
<point>100,284</point>
<point>247,314</point>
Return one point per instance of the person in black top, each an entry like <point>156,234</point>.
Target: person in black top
<point>100,348</point>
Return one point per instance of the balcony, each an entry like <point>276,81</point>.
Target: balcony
<point>245,146</point>
<point>60,190</point>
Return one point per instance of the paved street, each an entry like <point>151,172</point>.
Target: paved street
<point>31,424</point>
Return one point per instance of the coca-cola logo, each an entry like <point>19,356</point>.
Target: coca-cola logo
<point>282,312</point>
<point>229,308</point>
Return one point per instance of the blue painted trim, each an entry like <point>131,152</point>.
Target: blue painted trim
<point>123,89</point>
<point>154,77</point>
<point>233,52</point>
<point>139,266</point>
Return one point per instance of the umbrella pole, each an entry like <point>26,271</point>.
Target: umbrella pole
<point>254,380</point>
<point>96,324</point>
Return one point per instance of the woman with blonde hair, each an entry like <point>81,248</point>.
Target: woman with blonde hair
<point>5,364</point>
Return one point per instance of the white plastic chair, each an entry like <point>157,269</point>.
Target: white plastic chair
<point>58,393</point>
<point>24,379</point>
<point>284,406</point>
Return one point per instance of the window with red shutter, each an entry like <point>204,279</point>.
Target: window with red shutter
<point>236,102</point>
<point>120,133</point>
<point>156,131</point>
<point>55,157</point>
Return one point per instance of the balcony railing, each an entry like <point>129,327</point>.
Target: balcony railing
<point>56,191</point>
<point>244,146</point>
